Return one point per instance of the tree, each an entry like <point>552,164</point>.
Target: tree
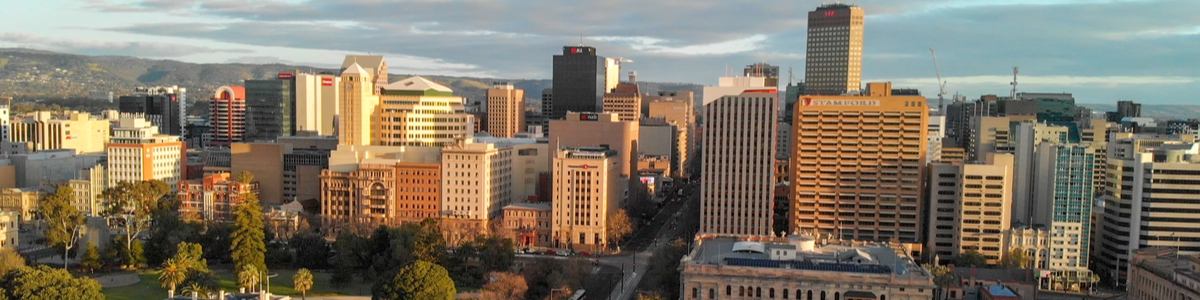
<point>10,260</point>
<point>311,251</point>
<point>174,272</point>
<point>130,205</point>
<point>302,282</point>
<point>504,285</point>
<point>247,242</point>
<point>618,226</point>
<point>91,259</point>
<point>1015,259</point>
<point>63,221</point>
<point>418,280</point>
<point>942,275</point>
<point>168,231</point>
<point>352,255</point>
<point>248,278</point>
<point>971,259</point>
<point>44,282</point>
<point>200,283</point>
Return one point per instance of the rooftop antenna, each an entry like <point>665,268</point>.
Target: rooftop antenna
<point>790,79</point>
<point>1013,94</point>
<point>581,39</point>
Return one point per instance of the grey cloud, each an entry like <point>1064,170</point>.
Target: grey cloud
<point>130,48</point>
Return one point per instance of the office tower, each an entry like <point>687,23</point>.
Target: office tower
<point>1063,203</point>
<point>989,135</point>
<point>1149,202</point>
<point>762,69</point>
<point>227,116</point>
<point>506,110</point>
<point>737,195</point>
<point>582,129</point>
<point>163,106</point>
<point>833,63</point>
<point>45,130</point>
<point>1163,273</point>
<point>5,119</point>
<point>213,198</point>
<point>547,110</point>
<point>658,138</point>
<point>798,267</point>
<point>419,112</point>
<point>359,97</point>
<point>677,108</point>
<point>1125,109</point>
<point>476,185</point>
<point>369,186</point>
<point>1027,136</point>
<point>1094,133</point>
<point>375,66</point>
<point>934,136</point>
<point>624,100</point>
<point>858,166</point>
<point>271,107</point>
<point>317,103</point>
<point>137,152</point>
<point>580,80</point>
<point>970,206</point>
<point>587,191</point>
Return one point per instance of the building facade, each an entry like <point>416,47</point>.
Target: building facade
<point>137,152</point>
<point>579,80</point>
<point>1164,273</point>
<point>476,185</point>
<point>317,101</point>
<point>970,207</point>
<point>213,198</point>
<point>737,192</point>
<point>163,106</point>
<point>419,112</point>
<point>227,116</point>
<point>271,107</point>
<point>359,96</point>
<point>598,130</point>
<point>45,130</point>
<point>23,202</point>
<point>833,62</point>
<point>506,110</point>
<point>678,109</point>
<point>369,186</point>
<point>858,167</point>
<point>625,100</point>
<point>587,192</point>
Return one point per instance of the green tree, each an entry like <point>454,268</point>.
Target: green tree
<point>91,259</point>
<point>201,283</point>
<point>1015,259</point>
<point>42,282</point>
<point>130,205</point>
<point>311,251</point>
<point>247,241</point>
<point>971,259</point>
<point>418,280</point>
<point>63,221</point>
<point>619,226</point>
<point>353,254</point>
<point>9,260</point>
<point>192,255</point>
<point>942,275</point>
<point>248,278</point>
<point>173,273</point>
<point>302,281</point>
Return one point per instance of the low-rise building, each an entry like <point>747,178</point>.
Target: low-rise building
<point>24,202</point>
<point>212,199</point>
<point>10,228</point>
<point>1164,273</point>
<point>527,224</point>
<point>724,267</point>
<point>368,186</point>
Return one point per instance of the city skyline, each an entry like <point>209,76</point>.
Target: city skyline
<point>1082,47</point>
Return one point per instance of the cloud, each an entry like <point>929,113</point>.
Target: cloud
<point>652,45</point>
<point>1052,80</point>
<point>156,49</point>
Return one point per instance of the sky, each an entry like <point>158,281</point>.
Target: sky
<point>1100,50</point>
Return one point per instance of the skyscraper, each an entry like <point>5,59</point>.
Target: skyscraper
<point>833,63</point>
<point>316,103</point>
<point>163,106</point>
<point>858,166</point>
<point>359,96</point>
<point>737,192</point>
<point>227,116</point>
<point>580,80</point>
<point>271,107</point>
<point>419,112</point>
<point>677,109</point>
<point>5,118</point>
<point>506,110</point>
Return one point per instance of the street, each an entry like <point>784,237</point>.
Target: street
<point>641,247</point>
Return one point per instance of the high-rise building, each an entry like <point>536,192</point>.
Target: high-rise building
<point>762,69</point>
<point>934,136</point>
<point>587,191</point>
<point>547,110</point>
<point>213,198</point>
<point>368,186</point>
<point>598,130</point>
<point>476,185</point>
<point>624,100</point>
<point>833,63</point>
<point>970,206</point>
<point>419,112</point>
<point>137,152</point>
<point>227,116</point>
<point>1063,204</point>
<point>317,103</point>
<point>580,80</point>
<point>5,119</point>
<point>737,192</point>
<point>677,108</point>
<point>658,138</point>
<point>1026,138</point>
<point>1150,200</point>
<point>360,92</point>
<point>45,130</point>
<point>506,110</point>
<point>271,107</point>
<point>163,106</point>
<point>858,166</point>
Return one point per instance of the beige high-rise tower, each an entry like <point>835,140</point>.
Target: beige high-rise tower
<point>358,100</point>
<point>857,166</point>
<point>970,207</point>
<point>505,110</point>
<point>833,64</point>
<point>624,100</point>
<point>737,188</point>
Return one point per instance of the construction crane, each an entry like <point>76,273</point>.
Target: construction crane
<point>941,84</point>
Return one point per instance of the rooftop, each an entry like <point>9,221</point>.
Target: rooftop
<point>417,84</point>
<point>863,258</point>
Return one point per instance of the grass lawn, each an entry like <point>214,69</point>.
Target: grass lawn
<point>149,288</point>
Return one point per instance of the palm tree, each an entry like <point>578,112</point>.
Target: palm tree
<point>173,273</point>
<point>248,278</point>
<point>302,281</point>
<point>197,289</point>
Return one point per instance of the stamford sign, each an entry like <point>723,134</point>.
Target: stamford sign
<point>840,102</point>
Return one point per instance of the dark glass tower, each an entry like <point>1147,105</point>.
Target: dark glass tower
<point>270,108</point>
<point>579,81</point>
